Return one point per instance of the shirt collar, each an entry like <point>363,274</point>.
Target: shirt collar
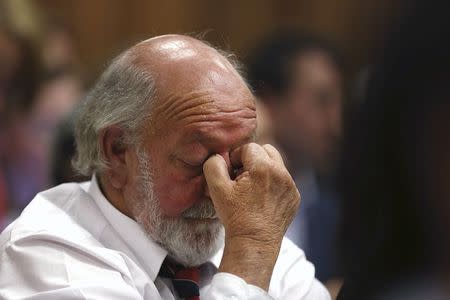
<point>130,231</point>
<point>217,258</point>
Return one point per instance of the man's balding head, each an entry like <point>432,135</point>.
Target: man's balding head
<point>179,59</point>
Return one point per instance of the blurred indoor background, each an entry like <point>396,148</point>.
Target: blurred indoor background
<point>52,51</point>
<point>102,28</point>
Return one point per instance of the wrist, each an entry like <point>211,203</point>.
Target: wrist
<point>251,259</point>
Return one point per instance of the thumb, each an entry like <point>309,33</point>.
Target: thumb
<point>217,177</point>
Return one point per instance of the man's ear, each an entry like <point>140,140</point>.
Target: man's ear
<point>114,150</point>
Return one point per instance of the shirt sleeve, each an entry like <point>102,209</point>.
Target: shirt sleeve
<point>231,287</point>
<point>293,277</point>
<point>34,269</point>
<point>318,291</point>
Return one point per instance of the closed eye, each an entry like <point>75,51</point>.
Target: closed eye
<point>192,165</point>
<point>193,169</point>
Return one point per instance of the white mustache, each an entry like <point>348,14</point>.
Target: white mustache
<point>201,210</point>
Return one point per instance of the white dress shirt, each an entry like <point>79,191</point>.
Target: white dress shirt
<point>71,243</point>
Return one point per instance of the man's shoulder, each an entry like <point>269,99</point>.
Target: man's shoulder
<point>66,212</point>
<point>290,254</point>
<point>57,237</point>
<point>292,272</point>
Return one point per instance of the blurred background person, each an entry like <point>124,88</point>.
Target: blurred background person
<point>35,95</point>
<point>19,71</point>
<point>59,51</point>
<point>62,152</point>
<point>395,171</point>
<point>299,78</point>
<point>264,129</point>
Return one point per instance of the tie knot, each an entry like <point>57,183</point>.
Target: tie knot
<point>192,274</point>
<point>185,280</point>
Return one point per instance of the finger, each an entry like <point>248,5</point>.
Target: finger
<point>216,174</point>
<point>247,155</point>
<point>273,153</point>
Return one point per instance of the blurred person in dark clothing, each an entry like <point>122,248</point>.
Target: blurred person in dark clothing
<point>396,168</point>
<point>299,79</point>
<point>62,153</point>
<point>19,71</point>
<point>59,93</point>
<point>34,98</point>
<point>57,96</point>
<point>264,131</point>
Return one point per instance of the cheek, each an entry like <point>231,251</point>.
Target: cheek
<point>177,193</point>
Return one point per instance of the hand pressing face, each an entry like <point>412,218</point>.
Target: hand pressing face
<point>260,203</point>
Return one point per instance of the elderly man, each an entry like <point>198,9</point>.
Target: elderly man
<point>181,202</point>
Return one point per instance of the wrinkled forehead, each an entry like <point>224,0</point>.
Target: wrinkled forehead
<point>205,106</point>
<point>216,120</point>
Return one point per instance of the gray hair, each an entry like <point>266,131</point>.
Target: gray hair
<point>122,97</point>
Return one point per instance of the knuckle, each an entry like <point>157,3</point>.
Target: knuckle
<point>218,187</point>
<point>283,176</point>
<point>252,147</point>
<point>269,147</point>
<point>261,166</point>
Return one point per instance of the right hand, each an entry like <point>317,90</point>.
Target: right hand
<point>261,202</point>
<point>263,199</point>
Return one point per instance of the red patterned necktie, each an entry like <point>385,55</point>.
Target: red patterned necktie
<point>185,280</point>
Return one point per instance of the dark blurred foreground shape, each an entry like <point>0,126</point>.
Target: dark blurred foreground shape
<point>395,174</point>
<point>299,79</point>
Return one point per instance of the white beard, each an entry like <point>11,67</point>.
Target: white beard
<point>187,242</point>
